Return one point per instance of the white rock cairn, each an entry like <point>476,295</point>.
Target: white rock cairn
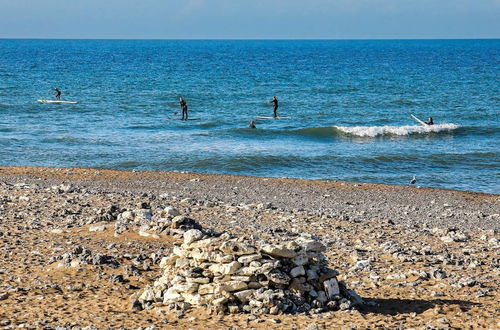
<point>235,275</point>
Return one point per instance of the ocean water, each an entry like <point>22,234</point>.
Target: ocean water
<point>348,104</point>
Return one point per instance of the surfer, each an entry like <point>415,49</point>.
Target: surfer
<point>58,93</point>
<point>184,108</point>
<point>430,121</point>
<point>275,106</point>
<point>252,124</point>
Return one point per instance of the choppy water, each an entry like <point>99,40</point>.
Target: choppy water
<point>348,103</point>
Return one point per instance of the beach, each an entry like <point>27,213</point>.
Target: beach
<point>417,256</point>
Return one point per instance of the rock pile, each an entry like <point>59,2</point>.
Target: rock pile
<point>83,256</point>
<point>234,275</point>
<point>168,221</point>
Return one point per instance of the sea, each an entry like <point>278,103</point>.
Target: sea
<point>346,103</point>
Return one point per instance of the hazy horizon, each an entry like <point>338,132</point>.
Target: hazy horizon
<point>250,20</point>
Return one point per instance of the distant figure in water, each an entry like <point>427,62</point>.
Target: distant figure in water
<point>252,124</point>
<point>58,93</point>
<point>429,121</point>
<point>414,180</point>
<point>184,108</point>
<point>275,106</point>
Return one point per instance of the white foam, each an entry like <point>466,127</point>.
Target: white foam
<point>372,131</point>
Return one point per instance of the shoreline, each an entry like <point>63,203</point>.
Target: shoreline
<point>357,201</point>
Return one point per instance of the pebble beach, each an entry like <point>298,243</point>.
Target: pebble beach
<point>80,247</point>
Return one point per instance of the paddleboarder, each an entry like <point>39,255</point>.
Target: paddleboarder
<point>58,93</point>
<point>275,106</point>
<point>184,108</point>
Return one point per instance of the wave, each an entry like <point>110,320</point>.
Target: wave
<point>329,132</point>
<point>373,131</point>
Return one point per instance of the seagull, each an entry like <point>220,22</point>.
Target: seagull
<point>413,181</point>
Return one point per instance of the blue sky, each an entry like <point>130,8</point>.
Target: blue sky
<point>250,19</point>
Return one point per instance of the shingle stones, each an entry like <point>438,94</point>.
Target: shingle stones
<point>228,274</point>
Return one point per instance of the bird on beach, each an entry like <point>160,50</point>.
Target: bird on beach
<point>413,180</point>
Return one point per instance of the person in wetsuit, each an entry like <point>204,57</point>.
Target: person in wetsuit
<point>275,106</point>
<point>430,121</point>
<point>184,108</point>
<point>58,93</point>
<point>252,124</point>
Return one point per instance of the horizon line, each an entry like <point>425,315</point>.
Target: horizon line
<point>248,39</point>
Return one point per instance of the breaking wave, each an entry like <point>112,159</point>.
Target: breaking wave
<point>373,131</point>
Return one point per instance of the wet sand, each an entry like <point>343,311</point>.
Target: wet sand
<point>418,256</point>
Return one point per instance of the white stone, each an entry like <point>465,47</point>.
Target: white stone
<point>225,269</point>
<point>147,295</point>
<point>168,261</point>
<point>297,271</point>
<point>244,295</point>
<point>230,247</point>
<point>199,280</point>
<point>332,287</point>
<point>311,245</point>
<point>127,215</point>
<point>172,211</point>
<point>247,271</point>
<point>143,214</point>
<point>231,286</point>
<point>241,278</point>
<point>206,289</point>
<point>170,296</point>
<point>178,251</point>
<point>300,260</point>
<point>192,235</point>
<point>182,263</point>
<point>201,256</point>
<point>278,251</point>
<point>219,301</point>
<point>202,243</point>
<point>220,258</point>
<point>249,258</point>
<point>195,299</point>
<point>97,228</point>
<point>186,287</point>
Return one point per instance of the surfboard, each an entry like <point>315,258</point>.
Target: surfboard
<point>262,117</point>
<point>418,120</point>
<point>169,118</point>
<point>57,101</point>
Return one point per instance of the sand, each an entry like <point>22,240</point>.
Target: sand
<point>418,256</point>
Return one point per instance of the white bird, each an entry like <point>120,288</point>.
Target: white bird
<point>413,181</point>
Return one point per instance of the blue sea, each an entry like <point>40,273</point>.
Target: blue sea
<point>348,105</point>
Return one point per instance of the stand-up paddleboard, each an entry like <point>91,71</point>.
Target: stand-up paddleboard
<point>57,101</point>
<point>262,117</point>
<point>418,120</point>
<point>168,118</point>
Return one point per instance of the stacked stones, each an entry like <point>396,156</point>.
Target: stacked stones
<point>233,275</point>
<point>169,222</point>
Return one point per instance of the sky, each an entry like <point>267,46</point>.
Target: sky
<point>250,19</point>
